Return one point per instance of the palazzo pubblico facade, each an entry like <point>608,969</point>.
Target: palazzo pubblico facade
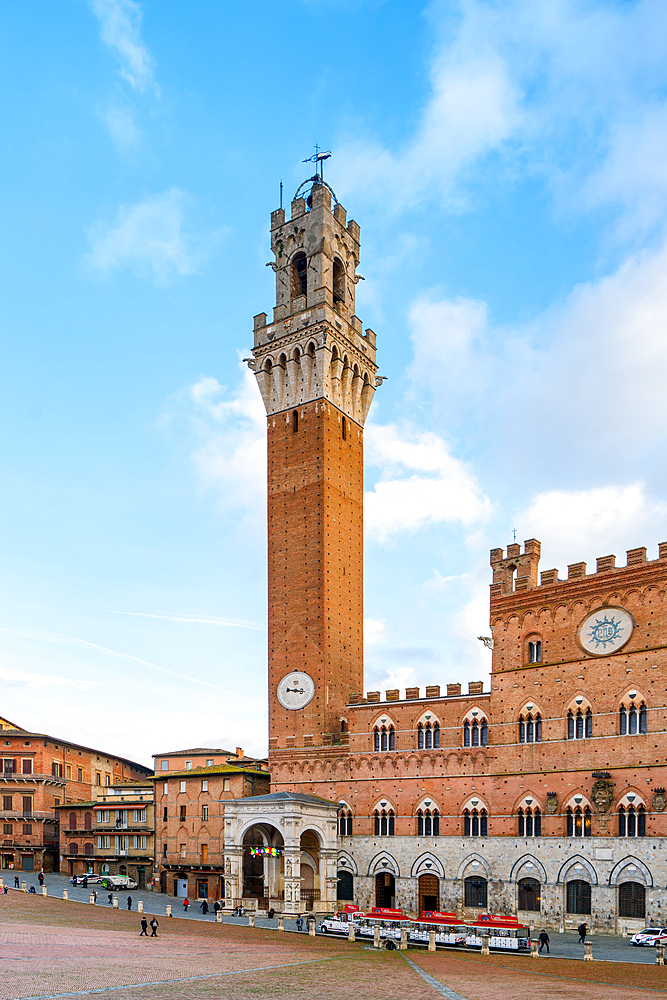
<point>542,797</point>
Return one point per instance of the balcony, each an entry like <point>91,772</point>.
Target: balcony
<point>32,778</point>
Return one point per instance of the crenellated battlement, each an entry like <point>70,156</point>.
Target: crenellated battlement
<point>518,571</point>
<point>432,692</point>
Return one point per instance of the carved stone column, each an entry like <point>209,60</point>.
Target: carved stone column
<point>233,861</point>
<point>328,878</point>
<point>293,880</point>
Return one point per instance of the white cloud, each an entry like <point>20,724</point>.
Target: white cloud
<point>150,238</point>
<point>375,632</point>
<point>231,455</point>
<point>568,90</point>
<point>122,127</point>
<point>440,489</point>
<point>580,525</point>
<point>120,29</point>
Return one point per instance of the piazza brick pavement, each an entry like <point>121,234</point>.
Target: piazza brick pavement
<point>50,948</point>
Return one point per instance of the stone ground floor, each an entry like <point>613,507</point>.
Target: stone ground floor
<point>554,882</point>
<point>139,867</point>
<point>29,859</point>
<point>51,948</point>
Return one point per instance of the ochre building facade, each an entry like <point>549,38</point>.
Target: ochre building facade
<point>543,796</point>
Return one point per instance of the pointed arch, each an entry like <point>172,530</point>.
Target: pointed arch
<point>620,866</point>
<point>427,864</point>
<point>538,872</point>
<point>377,865</point>
<point>467,862</point>
<point>350,864</point>
<point>568,865</point>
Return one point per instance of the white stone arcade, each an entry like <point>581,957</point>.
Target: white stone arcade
<point>301,874</point>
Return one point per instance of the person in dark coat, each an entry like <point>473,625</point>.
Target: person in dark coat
<point>204,907</point>
<point>216,907</point>
<point>129,902</point>
<point>40,878</point>
<point>110,898</point>
<point>144,927</point>
<point>581,930</point>
<point>17,884</point>
<point>544,941</point>
<point>155,923</point>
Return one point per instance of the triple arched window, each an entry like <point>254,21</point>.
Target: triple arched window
<point>578,822</point>
<point>384,822</point>
<point>631,821</point>
<point>530,728</point>
<point>475,823</point>
<point>632,720</point>
<point>579,724</point>
<point>428,736</point>
<point>475,733</point>
<point>428,823</point>
<point>345,823</point>
<point>530,822</point>
<point>384,738</point>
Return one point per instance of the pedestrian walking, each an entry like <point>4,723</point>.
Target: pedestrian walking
<point>581,930</point>
<point>155,923</point>
<point>17,884</point>
<point>5,889</point>
<point>144,927</point>
<point>110,898</point>
<point>299,923</point>
<point>544,941</point>
<point>40,878</point>
<point>216,907</point>
<point>85,882</point>
<point>186,903</point>
<point>204,907</point>
<point>129,902</point>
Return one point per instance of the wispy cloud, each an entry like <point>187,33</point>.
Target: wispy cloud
<point>120,29</point>
<point>151,238</point>
<point>36,681</point>
<point>70,640</point>
<point>228,622</point>
<point>122,126</point>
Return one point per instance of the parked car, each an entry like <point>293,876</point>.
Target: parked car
<point>118,882</point>
<point>91,879</point>
<point>650,936</point>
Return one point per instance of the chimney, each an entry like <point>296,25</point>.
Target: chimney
<point>239,753</point>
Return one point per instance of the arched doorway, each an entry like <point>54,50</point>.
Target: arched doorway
<point>429,893</point>
<point>578,896</point>
<point>385,889</point>
<point>263,865</point>
<point>530,892</point>
<point>310,869</point>
<point>632,900</point>
<point>345,885</point>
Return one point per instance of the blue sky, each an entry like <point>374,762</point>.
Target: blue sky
<point>506,163</point>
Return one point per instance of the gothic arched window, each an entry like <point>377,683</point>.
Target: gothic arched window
<point>428,823</point>
<point>578,822</point>
<point>384,823</point>
<point>384,738</point>
<point>474,823</point>
<point>345,823</point>
<point>338,281</point>
<point>299,274</point>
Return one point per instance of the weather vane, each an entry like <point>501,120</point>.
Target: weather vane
<point>318,159</point>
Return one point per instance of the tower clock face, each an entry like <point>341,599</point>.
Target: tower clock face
<point>295,690</point>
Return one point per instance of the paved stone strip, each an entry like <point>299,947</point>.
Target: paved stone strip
<point>432,981</point>
<point>184,979</point>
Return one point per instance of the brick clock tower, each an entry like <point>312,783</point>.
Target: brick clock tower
<point>315,368</point>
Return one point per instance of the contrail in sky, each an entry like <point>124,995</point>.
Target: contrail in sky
<point>231,622</point>
<point>70,640</point>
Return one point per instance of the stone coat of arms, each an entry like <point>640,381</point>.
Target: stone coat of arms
<point>603,794</point>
